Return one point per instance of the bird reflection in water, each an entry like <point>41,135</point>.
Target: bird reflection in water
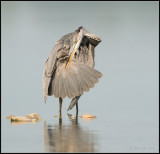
<point>68,138</point>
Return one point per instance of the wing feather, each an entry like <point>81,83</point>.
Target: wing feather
<point>60,48</point>
<point>76,79</point>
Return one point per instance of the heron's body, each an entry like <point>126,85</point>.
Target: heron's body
<point>69,68</point>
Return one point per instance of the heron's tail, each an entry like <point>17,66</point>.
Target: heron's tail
<point>73,81</point>
<point>73,102</point>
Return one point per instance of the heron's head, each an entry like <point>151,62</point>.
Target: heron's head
<point>78,36</point>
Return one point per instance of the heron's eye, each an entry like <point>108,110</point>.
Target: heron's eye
<point>75,41</point>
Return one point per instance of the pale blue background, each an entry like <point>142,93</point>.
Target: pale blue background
<point>125,100</point>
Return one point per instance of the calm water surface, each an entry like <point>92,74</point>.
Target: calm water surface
<point>125,100</point>
<point>102,134</point>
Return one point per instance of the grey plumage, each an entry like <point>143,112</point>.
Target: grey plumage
<point>72,80</point>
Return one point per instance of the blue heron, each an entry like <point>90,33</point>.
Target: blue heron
<point>69,69</point>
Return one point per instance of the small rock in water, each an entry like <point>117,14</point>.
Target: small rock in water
<point>87,116</point>
<point>33,117</point>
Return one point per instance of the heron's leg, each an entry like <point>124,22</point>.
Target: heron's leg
<point>60,106</point>
<point>76,109</point>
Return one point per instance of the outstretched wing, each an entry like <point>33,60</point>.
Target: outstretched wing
<point>73,81</point>
<point>51,61</point>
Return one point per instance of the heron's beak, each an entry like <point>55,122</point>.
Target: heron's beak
<point>73,50</point>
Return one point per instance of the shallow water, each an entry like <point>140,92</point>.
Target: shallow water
<point>124,101</point>
<point>113,133</point>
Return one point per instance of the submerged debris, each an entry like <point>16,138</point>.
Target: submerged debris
<point>33,117</point>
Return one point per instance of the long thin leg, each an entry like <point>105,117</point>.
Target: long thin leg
<point>60,106</point>
<point>76,109</point>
